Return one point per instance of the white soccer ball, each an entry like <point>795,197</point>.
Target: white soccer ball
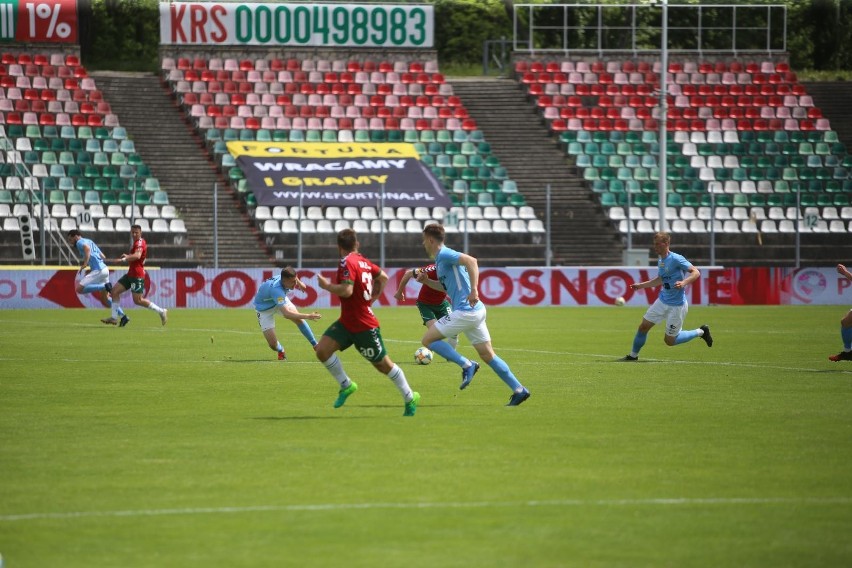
<point>619,301</point>
<point>422,356</point>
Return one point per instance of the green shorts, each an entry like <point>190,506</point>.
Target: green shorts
<point>135,285</point>
<point>434,312</point>
<point>369,343</point>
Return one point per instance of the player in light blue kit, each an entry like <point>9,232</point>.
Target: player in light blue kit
<point>97,278</point>
<point>458,274</point>
<point>675,274</point>
<point>273,296</point>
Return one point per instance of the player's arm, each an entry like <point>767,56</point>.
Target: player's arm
<point>472,266</point>
<point>424,279</point>
<point>694,274</point>
<point>87,254</point>
<point>844,272</point>
<point>647,284</point>
<point>379,283</point>
<point>400,291</point>
<point>343,289</point>
<point>293,314</point>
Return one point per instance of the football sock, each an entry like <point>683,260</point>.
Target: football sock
<point>335,367</point>
<point>638,342</point>
<point>685,336</point>
<point>502,369</point>
<point>846,334</point>
<point>398,378</point>
<point>114,311</point>
<point>443,349</point>
<point>155,307</point>
<point>307,332</point>
<point>279,348</point>
<point>92,288</point>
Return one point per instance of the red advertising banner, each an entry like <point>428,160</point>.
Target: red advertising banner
<point>38,21</point>
<point>545,287</point>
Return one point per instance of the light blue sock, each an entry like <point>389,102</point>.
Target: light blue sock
<point>443,349</point>
<point>279,348</point>
<point>685,336</point>
<point>307,332</point>
<point>504,372</point>
<point>638,343</point>
<point>846,334</point>
<point>119,311</point>
<point>92,288</point>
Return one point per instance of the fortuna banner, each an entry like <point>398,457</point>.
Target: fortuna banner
<point>338,173</point>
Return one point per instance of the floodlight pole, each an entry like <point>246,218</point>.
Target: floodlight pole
<point>215,225</point>
<point>382,233</point>
<point>299,232</point>
<point>664,111</point>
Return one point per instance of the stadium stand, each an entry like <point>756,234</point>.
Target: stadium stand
<point>59,138</point>
<point>739,134</point>
<point>362,101</point>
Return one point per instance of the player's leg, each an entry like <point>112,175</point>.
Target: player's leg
<point>335,339</point>
<point>116,312</point>
<point>303,326</point>
<point>372,347</point>
<point>448,327</point>
<point>431,314</point>
<point>654,315</point>
<point>266,321</point>
<point>846,337</point>
<point>138,291</point>
<point>675,334</point>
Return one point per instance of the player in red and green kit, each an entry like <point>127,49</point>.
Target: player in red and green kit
<point>134,281</point>
<point>431,303</point>
<point>359,283</point>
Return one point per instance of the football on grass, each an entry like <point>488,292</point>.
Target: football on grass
<point>422,356</point>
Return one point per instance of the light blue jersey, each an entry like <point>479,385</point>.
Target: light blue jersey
<point>95,261</point>
<point>672,268</point>
<point>270,294</point>
<point>455,279</point>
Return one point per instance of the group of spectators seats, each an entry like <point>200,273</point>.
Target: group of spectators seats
<point>318,100</point>
<point>58,136</point>
<point>474,219</point>
<point>103,218</point>
<point>746,132</point>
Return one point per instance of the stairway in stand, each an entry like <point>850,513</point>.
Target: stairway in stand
<point>581,234</point>
<point>178,159</point>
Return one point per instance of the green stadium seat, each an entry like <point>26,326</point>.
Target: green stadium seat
<point>73,197</point>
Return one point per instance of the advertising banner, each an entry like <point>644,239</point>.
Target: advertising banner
<point>39,21</point>
<point>235,288</point>
<point>293,24</point>
<point>338,173</point>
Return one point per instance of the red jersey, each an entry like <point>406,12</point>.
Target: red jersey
<point>429,295</point>
<point>136,268</point>
<point>356,315</point>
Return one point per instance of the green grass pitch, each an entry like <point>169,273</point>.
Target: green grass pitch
<point>191,445</point>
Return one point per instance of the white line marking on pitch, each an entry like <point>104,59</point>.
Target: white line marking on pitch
<point>662,502</point>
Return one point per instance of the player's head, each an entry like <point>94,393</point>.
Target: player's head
<point>136,231</point>
<point>433,238</point>
<point>288,275</point>
<point>435,231</point>
<point>662,240</point>
<point>347,240</point>
<point>74,235</point>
